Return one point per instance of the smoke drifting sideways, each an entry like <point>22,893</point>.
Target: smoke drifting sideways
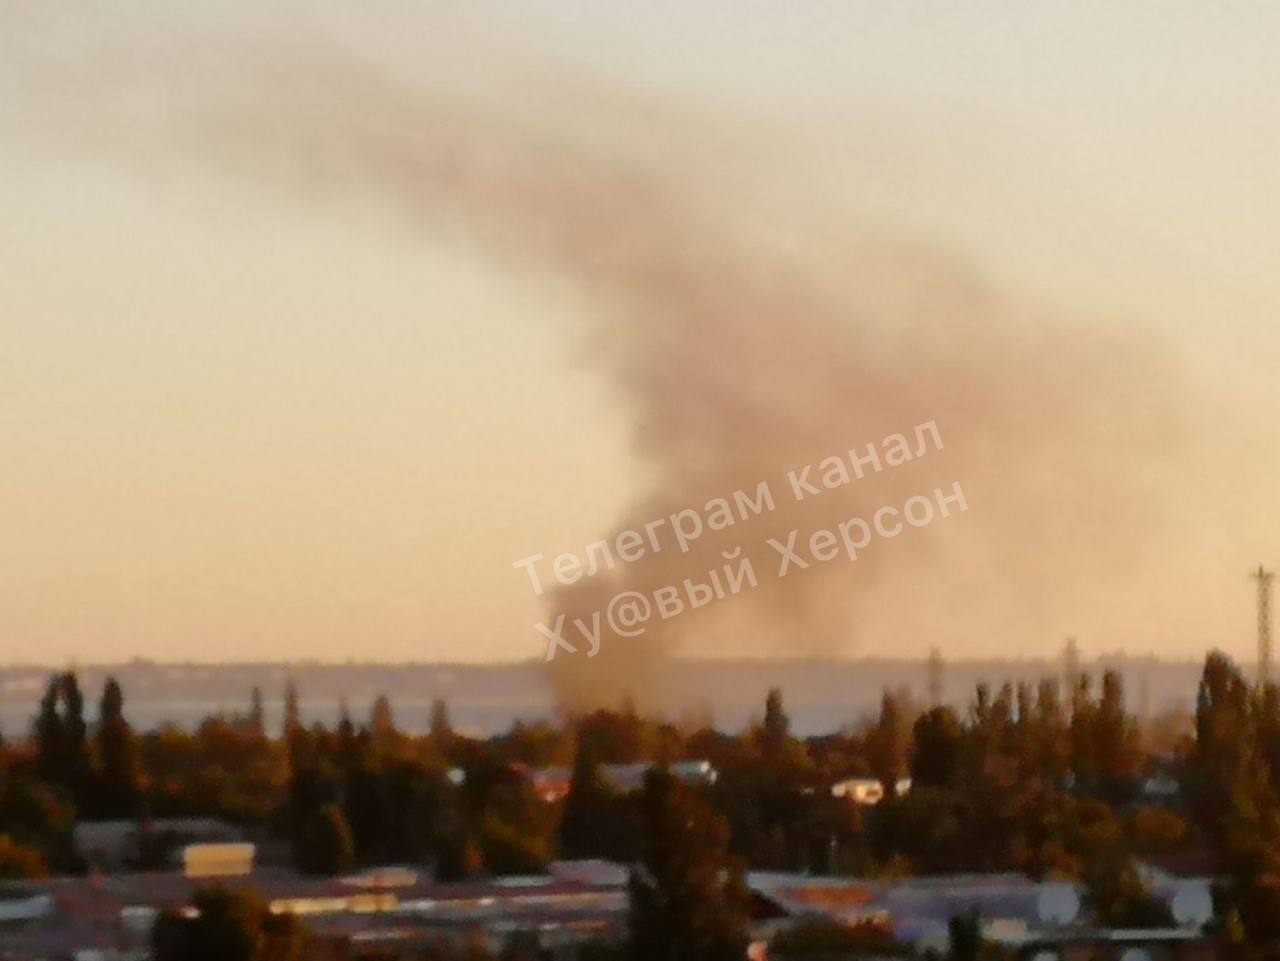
<point>738,360</point>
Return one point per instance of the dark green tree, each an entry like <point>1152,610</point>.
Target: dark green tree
<point>292,711</point>
<point>62,743</point>
<point>965,935</point>
<point>1117,755</point>
<point>1231,790</point>
<point>348,746</point>
<point>382,723</point>
<point>49,737</point>
<point>459,858</point>
<point>688,901</point>
<point>820,939</point>
<point>368,811</point>
<point>777,726</point>
<point>18,861</point>
<point>588,809</point>
<point>324,845</point>
<point>1117,895</point>
<point>228,926</point>
<point>1225,769</point>
<point>257,713</point>
<point>119,793</point>
<point>885,744</point>
<point>441,726</point>
<point>1080,736</point>
<point>937,751</point>
<point>1046,738</point>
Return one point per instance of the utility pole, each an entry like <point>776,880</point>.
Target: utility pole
<point>1264,577</point>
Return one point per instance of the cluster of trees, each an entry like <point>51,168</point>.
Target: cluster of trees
<point>1026,783</point>
<point>71,769</point>
<point>228,926</point>
<point>374,795</point>
<point>1231,784</point>
<point>1024,779</point>
<point>101,774</point>
<point>63,772</point>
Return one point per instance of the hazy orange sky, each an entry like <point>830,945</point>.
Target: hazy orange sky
<point>257,401</point>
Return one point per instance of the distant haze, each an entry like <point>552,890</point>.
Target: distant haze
<point>821,697</point>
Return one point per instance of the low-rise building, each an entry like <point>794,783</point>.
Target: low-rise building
<point>119,844</point>
<point>551,784</point>
<point>867,791</point>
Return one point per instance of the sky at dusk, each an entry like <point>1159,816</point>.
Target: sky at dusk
<point>313,320</point>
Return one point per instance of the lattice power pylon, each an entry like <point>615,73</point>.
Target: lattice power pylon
<point>1264,577</point>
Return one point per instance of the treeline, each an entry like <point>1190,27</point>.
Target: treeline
<point>1025,779</point>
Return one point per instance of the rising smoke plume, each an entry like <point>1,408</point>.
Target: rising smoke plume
<point>737,359</point>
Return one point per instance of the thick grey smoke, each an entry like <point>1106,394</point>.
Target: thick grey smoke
<point>738,360</point>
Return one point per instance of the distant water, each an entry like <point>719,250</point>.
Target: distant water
<point>820,696</point>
